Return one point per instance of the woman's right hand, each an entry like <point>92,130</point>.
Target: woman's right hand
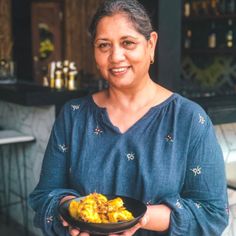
<point>72,231</point>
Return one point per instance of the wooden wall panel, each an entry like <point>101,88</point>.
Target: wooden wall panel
<point>77,17</point>
<point>46,29</point>
<point>5,30</point>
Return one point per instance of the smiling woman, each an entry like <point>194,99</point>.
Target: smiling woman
<point>135,139</point>
<point>122,54</point>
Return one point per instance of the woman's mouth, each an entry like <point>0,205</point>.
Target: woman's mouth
<point>119,70</point>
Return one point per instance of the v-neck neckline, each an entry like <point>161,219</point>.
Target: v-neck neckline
<point>107,120</point>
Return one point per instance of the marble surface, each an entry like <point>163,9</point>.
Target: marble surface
<point>38,121</point>
<point>35,121</point>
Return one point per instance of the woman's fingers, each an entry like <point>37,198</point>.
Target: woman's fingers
<point>73,231</point>
<point>84,234</point>
<point>64,223</point>
<point>128,232</point>
<point>132,230</point>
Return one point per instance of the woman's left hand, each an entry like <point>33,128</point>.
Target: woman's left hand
<point>132,230</point>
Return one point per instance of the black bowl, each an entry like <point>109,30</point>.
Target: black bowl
<point>136,207</point>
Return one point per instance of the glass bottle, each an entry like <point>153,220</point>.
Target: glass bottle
<point>58,80</point>
<point>188,39</point>
<point>72,82</point>
<point>230,6</point>
<point>222,9</point>
<point>51,74</point>
<point>65,72</point>
<point>214,7</point>
<point>229,37</point>
<point>212,36</point>
<point>187,8</point>
<point>204,7</point>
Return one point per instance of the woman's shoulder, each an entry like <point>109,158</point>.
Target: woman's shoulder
<point>190,114</point>
<point>187,106</point>
<point>77,105</point>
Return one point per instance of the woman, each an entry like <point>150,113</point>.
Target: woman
<point>135,138</point>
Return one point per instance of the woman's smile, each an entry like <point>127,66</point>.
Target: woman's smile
<point>119,71</point>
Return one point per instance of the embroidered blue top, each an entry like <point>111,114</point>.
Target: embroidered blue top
<point>170,156</point>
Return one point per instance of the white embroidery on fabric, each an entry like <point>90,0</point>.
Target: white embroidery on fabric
<point>198,205</point>
<point>98,131</point>
<point>130,156</point>
<point>75,107</point>
<point>169,138</point>
<point>201,119</point>
<point>197,170</point>
<point>178,204</point>
<point>49,219</point>
<point>149,202</point>
<point>63,147</point>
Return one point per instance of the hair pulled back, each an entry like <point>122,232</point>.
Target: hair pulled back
<point>135,12</point>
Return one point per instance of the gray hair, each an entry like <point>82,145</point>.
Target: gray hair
<point>134,10</point>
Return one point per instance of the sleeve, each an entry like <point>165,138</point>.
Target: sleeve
<point>53,183</point>
<point>201,208</point>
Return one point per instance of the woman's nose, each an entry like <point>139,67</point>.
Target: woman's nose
<point>117,54</point>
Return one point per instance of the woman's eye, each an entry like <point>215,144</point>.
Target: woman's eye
<point>103,46</point>
<point>129,44</point>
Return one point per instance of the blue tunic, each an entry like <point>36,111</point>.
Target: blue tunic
<point>169,156</point>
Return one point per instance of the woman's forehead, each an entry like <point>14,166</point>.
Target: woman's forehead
<point>115,24</point>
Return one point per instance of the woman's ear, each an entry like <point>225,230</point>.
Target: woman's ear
<point>152,43</point>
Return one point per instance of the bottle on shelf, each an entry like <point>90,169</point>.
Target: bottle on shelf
<point>204,7</point>
<point>194,6</point>
<point>188,39</point>
<point>229,37</point>
<point>59,83</point>
<point>212,40</point>
<point>58,80</point>
<point>214,7</point>
<point>230,6</point>
<point>65,72</point>
<point>187,8</point>
<point>72,81</point>
<point>51,74</point>
<point>221,4</point>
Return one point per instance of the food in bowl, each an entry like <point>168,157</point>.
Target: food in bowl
<point>96,208</point>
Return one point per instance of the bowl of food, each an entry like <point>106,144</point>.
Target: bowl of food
<point>102,214</point>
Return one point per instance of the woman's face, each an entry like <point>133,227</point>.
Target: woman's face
<point>122,54</point>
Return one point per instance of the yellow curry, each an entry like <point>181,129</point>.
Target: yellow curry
<point>96,208</point>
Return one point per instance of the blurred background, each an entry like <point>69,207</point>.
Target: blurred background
<point>46,59</point>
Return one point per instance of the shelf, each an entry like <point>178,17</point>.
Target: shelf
<point>209,17</point>
<point>210,51</point>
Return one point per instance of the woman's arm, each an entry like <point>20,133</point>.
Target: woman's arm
<point>157,218</point>
<point>53,183</point>
<point>201,207</point>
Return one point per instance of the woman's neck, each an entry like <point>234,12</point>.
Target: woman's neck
<point>133,99</point>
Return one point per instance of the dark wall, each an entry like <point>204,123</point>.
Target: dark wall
<point>152,9</point>
<point>169,46</point>
<point>21,30</point>
<point>166,20</point>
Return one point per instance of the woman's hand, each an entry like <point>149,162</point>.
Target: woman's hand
<point>131,231</point>
<point>72,231</point>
